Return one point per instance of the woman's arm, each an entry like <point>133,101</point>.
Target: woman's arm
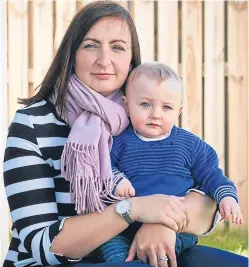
<point>95,229</point>
<point>85,233</point>
<point>30,189</point>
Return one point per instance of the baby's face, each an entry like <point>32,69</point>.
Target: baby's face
<point>152,107</point>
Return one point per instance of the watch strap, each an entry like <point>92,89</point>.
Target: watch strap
<point>127,218</point>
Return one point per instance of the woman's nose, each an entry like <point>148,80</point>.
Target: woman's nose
<point>104,59</point>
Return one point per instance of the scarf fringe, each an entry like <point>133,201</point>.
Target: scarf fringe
<point>80,167</point>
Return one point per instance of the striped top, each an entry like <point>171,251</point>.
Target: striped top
<point>38,195</point>
<point>170,166</point>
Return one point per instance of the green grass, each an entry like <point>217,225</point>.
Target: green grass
<point>235,241</point>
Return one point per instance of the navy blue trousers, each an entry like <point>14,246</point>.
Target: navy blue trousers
<point>198,256</point>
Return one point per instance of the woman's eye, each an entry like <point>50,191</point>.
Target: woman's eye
<point>89,46</point>
<point>146,105</point>
<point>118,48</point>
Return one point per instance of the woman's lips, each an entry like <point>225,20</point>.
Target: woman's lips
<point>103,76</point>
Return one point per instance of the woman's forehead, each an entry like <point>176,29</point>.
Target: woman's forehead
<point>110,28</point>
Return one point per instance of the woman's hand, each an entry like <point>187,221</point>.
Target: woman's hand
<point>153,241</point>
<point>161,209</point>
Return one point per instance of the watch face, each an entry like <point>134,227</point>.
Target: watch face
<point>123,206</point>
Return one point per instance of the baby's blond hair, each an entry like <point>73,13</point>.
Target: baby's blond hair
<point>155,71</point>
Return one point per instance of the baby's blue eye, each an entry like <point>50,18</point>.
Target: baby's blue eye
<point>146,105</point>
<point>167,107</point>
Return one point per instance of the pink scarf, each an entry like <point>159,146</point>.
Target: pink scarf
<point>85,161</point>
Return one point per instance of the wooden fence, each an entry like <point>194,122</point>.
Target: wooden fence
<point>205,41</point>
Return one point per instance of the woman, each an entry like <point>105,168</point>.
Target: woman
<point>99,49</point>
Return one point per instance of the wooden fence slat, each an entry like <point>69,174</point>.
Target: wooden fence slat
<point>18,58</point>
<point>4,208</point>
<point>168,33</point>
<point>124,4</point>
<point>238,98</point>
<point>65,10</point>
<point>192,65</point>
<point>42,39</point>
<point>79,4</point>
<point>144,21</point>
<point>214,90</point>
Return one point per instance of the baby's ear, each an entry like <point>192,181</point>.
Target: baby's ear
<point>125,105</point>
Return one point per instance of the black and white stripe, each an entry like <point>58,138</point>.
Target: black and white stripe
<point>38,195</point>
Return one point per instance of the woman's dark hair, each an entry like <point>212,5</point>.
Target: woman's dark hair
<point>63,64</point>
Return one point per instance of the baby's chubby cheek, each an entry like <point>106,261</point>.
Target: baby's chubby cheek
<point>137,122</point>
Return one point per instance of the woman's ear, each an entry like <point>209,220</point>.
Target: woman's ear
<point>125,105</point>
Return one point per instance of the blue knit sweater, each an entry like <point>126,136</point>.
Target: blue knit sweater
<point>170,166</point>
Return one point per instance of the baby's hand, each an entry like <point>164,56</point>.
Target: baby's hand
<point>125,189</point>
<point>228,206</point>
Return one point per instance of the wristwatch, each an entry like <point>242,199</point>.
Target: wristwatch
<point>123,208</point>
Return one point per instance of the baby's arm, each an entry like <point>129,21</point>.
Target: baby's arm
<point>122,186</point>
<point>211,179</point>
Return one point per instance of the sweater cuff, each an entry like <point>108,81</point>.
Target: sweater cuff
<point>225,191</point>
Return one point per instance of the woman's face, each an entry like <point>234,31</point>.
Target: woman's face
<point>104,57</point>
